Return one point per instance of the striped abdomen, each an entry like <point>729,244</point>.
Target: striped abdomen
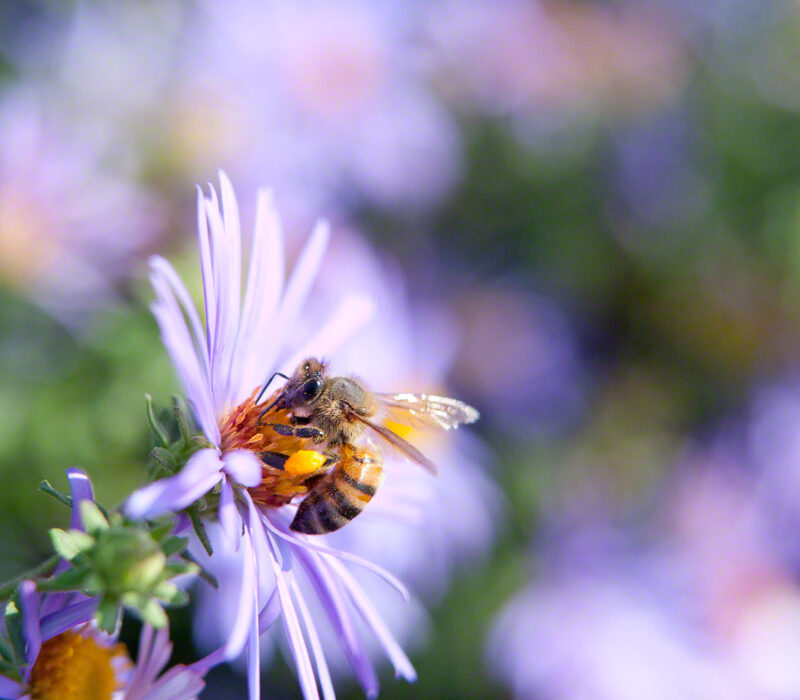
<point>341,494</point>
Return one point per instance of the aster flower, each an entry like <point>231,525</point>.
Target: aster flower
<point>65,656</point>
<point>222,367</point>
<point>69,228</point>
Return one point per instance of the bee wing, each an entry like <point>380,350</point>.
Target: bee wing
<point>437,411</point>
<point>404,446</point>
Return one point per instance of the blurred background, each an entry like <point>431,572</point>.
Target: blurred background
<point>581,217</point>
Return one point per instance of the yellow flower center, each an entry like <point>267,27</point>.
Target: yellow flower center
<point>74,666</point>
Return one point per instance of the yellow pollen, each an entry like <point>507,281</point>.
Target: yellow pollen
<point>304,462</point>
<point>400,429</point>
<point>73,666</point>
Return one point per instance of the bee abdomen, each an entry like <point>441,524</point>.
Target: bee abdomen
<point>341,495</point>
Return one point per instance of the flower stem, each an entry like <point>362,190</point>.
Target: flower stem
<point>8,587</point>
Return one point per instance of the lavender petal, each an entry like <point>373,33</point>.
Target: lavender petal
<point>32,633</point>
<point>228,514</point>
<point>243,467</point>
<point>264,282</point>
<point>200,474</point>
<point>370,615</point>
<point>66,618</point>
<point>332,598</point>
<point>323,673</point>
<point>294,633</point>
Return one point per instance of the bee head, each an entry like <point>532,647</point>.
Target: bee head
<point>305,385</point>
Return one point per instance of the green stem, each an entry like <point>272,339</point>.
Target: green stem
<point>7,589</point>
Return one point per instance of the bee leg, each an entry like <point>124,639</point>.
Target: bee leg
<point>274,459</point>
<point>302,432</point>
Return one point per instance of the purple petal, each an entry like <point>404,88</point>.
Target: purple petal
<point>228,515</point>
<point>66,618</point>
<point>184,354</point>
<point>260,547</point>
<point>207,271</point>
<point>370,615</point>
<point>304,541</point>
<point>208,662</point>
<point>31,631</point>
<point>351,314</point>
<point>303,276</point>
<point>264,282</point>
<point>269,613</point>
<point>81,489</point>
<point>161,267</point>
<point>227,252</point>
<point>200,474</point>
<point>246,609</point>
<point>323,673</point>
<point>10,689</point>
<point>254,657</point>
<point>243,467</point>
<point>179,683</point>
<point>332,598</point>
<point>158,654</point>
<point>297,644</point>
<point>138,679</point>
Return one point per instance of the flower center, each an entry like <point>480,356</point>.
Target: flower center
<point>74,666</point>
<point>287,461</point>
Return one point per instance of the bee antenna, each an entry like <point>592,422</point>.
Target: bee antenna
<point>264,388</point>
<point>267,410</point>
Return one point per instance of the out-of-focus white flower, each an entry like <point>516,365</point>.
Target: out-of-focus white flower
<point>69,228</point>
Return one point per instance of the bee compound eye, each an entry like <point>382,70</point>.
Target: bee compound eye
<point>312,388</point>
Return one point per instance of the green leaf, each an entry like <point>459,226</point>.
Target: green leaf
<point>64,498</point>
<point>13,617</point>
<point>73,579</point>
<point>107,615</point>
<point>9,670</point>
<point>173,545</point>
<point>70,543</point>
<point>170,594</point>
<point>177,568</point>
<point>93,519</point>
<point>159,532</point>
<point>181,416</point>
<point>204,573</point>
<point>165,459</point>
<point>200,530</point>
<point>155,425</point>
<point>6,651</point>
<point>154,614</point>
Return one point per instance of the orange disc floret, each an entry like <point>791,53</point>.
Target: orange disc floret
<point>75,666</point>
<point>244,428</point>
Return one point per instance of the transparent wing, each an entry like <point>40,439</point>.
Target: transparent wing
<point>429,409</point>
<point>403,445</point>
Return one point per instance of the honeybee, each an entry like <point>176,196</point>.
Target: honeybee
<point>341,414</point>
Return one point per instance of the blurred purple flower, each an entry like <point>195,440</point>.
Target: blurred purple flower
<point>544,62</point>
<point>702,605</point>
<point>69,228</point>
<point>57,627</point>
<point>327,99</point>
<point>220,367</point>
